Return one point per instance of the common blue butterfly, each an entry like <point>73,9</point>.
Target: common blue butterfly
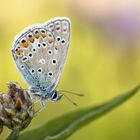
<point>39,52</point>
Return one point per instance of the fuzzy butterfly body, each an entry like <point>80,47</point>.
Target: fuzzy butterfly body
<point>39,52</point>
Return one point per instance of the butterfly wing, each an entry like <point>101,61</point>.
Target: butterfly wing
<point>40,52</point>
<point>60,27</point>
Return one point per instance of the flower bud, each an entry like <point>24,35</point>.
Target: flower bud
<point>16,108</point>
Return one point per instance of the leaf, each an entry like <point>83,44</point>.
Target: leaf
<point>65,125</point>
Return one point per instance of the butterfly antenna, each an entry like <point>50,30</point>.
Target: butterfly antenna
<point>74,93</point>
<point>69,99</point>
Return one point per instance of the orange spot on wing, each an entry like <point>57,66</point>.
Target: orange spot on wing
<point>36,36</point>
<point>25,44</point>
<point>43,35</point>
<point>50,40</point>
<point>56,47</point>
<point>19,52</point>
<point>31,39</point>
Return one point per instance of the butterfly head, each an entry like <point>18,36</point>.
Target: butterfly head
<point>45,94</point>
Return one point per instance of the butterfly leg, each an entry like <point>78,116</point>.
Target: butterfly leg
<point>41,108</point>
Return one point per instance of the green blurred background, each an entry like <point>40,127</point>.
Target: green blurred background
<point>103,61</point>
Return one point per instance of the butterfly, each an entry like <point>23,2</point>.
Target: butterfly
<point>39,53</point>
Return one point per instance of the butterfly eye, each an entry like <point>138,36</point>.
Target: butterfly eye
<point>24,43</point>
<point>36,33</point>
<point>43,33</point>
<point>30,37</point>
<point>54,96</point>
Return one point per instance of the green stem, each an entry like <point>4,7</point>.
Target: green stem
<point>13,135</point>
